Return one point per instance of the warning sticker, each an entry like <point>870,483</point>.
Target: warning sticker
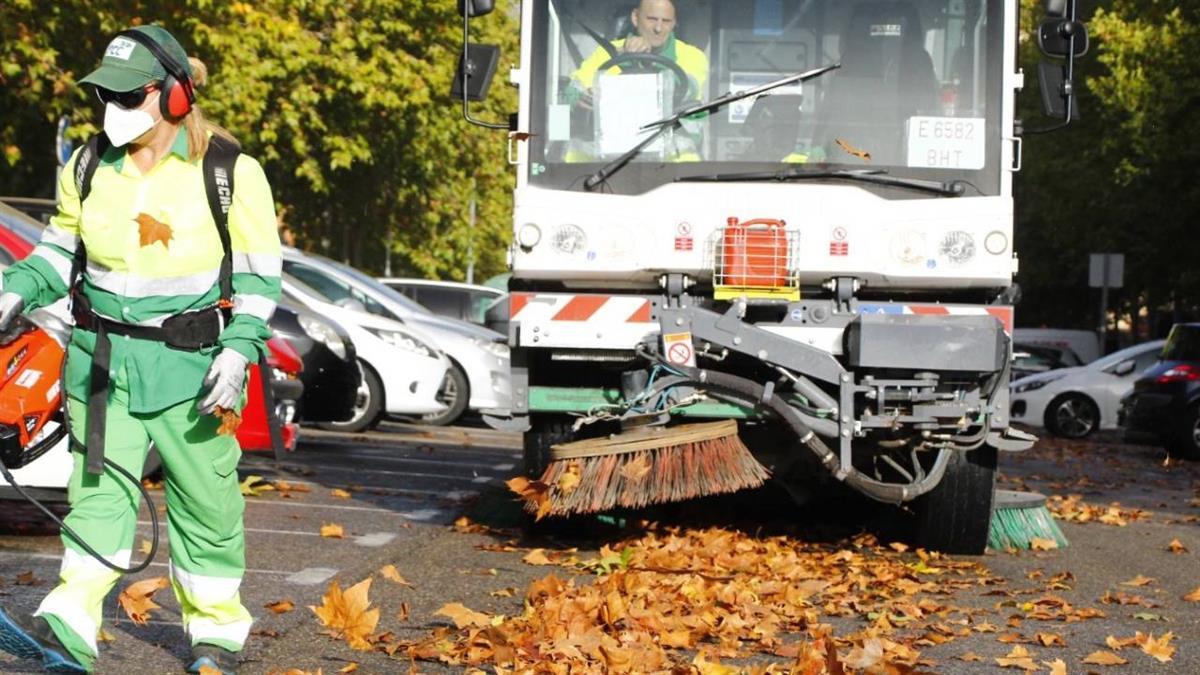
<point>29,378</point>
<point>678,348</point>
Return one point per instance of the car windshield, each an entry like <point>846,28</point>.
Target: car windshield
<point>1183,344</point>
<point>917,95</point>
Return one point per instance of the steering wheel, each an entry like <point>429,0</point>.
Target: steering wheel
<point>646,59</point>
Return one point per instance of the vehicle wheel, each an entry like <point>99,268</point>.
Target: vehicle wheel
<point>954,517</point>
<point>368,406</point>
<point>1186,444</point>
<point>1072,416</point>
<point>455,393</point>
<point>545,431</point>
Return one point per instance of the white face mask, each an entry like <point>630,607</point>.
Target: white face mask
<point>123,125</point>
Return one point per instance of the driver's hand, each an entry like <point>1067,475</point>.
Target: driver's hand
<point>636,45</point>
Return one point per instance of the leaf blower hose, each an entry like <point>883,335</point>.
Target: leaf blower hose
<point>77,447</point>
<point>809,429</point>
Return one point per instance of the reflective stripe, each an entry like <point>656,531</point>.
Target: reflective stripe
<point>54,234</point>
<point>203,628</point>
<point>74,559</point>
<point>60,263</point>
<point>135,286</point>
<point>202,589</point>
<point>254,305</point>
<point>73,615</point>
<point>262,264</point>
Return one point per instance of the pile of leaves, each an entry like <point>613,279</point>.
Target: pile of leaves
<point>685,600</point>
<point>1072,508</point>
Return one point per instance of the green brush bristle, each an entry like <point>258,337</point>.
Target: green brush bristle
<point>1015,528</point>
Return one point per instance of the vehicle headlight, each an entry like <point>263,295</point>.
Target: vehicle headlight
<point>404,341</point>
<point>1023,387</point>
<point>324,333</point>
<point>499,350</point>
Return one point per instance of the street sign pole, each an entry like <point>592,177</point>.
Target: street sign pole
<point>1105,271</point>
<point>1104,307</point>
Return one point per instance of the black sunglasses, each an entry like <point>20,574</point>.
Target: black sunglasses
<point>126,99</point>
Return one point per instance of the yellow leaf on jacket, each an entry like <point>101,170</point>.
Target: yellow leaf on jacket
<point>152,231</point>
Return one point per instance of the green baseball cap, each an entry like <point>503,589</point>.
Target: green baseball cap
<point>128,65</point>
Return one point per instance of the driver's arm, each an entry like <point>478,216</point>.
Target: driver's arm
<point>583,79</point>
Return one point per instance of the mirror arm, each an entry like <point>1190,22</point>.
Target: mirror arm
<point>1068,85</point>
<point>466,106</point>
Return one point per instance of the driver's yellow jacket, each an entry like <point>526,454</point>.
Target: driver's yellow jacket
<point>691,59</point>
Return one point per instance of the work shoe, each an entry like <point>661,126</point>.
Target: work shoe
<point>30,637</point>
<point>218,658</point>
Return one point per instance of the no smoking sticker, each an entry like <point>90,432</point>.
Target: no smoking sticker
<point>678,348</point>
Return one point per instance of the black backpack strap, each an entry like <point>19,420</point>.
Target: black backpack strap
<point>85,168</point>
<point>218,185</point>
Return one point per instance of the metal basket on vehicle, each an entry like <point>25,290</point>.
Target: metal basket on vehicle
<point>755,259</point>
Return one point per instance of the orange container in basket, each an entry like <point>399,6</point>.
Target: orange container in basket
<point>754,254</point>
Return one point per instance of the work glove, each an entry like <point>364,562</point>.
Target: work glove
<point>11,305</point>
<point>223,382</point>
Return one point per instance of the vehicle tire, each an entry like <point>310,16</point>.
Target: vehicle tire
<point>545,431</point>
<point>954,517</point>
<point>1186,441</point>
<point>455,393</point>
<point>1072,416</point>
<point>368,407</point>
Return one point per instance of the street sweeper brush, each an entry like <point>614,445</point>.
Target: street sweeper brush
<point>650,465</point>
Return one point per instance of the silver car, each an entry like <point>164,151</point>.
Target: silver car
<point>478,378</point>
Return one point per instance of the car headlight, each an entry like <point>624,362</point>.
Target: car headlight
<point>499,350</point>
<point>324,333</point>
<point>1023,387</point>
<point>404,341</point>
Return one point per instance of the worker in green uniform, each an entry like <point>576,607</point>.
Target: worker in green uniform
<point>156,265</point>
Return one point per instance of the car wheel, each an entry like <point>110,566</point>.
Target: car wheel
<point>1072,416</point>
<point>1186,444</point>
<point>368,405</point>
<point>955,515</point>
<point>455,393</point>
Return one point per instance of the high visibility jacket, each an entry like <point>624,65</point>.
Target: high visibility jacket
<point>691,59</point>
<point>153,251</point>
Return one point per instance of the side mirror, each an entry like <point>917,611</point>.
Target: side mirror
<point>475,71</point>
<point>1123,368</point>
<point>352,304</point>
<point>1056,7</point>
<point>1060,36</point>
<point>1056,91</point>
<point>474,8</point>
<point>1056,37</point>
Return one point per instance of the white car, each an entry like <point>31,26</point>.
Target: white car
<point>402,371</point>
<point>478,378</point>
<point>1074,402</point>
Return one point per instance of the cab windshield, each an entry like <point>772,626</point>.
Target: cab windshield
<point>918,93</point>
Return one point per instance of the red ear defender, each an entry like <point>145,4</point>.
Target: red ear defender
<point>174,101</point>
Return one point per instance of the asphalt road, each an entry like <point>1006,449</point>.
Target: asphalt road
<point>407,484</point>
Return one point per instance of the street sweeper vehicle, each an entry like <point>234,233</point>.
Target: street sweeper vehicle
<point>764,239</point>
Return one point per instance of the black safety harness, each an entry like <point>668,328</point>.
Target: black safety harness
<point>187,331</point>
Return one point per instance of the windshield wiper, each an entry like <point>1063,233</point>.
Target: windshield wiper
<point>674,121</point>
<point>952,188</point>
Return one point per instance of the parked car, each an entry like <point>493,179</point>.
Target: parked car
<point>401,371</point>
<point>1075,402</point>
<point>467,302</point>
<point>1164,406</point>
<point>1032,359</point>
<point>18,234</point>
<point>331,376</point>
<point>478,378</point>
<point>38,208</point>
<point>1084,343</point>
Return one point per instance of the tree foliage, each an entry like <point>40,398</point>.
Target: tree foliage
<point>346,104</point>
<point>1122,178</point>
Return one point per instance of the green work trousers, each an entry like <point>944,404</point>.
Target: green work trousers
<point>204,523</point>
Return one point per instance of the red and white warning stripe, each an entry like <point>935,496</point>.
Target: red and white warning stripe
<point>579,321</point>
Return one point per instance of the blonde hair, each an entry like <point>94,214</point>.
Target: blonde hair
<point>197,126</point>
